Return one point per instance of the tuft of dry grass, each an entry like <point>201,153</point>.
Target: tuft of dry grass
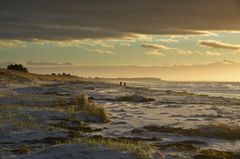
<point>141,149</point>
<point>135,98</point>
<point>82,102</point>
<point>213,130</point>
<point>219,130</point>
<point>216,154</point>
<point>21,150</point>
<point>91,108</point>
<point>13,117</point>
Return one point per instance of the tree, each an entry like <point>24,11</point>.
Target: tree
<point>17,67</point>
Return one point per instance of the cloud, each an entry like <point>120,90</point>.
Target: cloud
<point>226,61</point>
<point>210,53</point>
<point>5,64</point>
<point>7,44</point>
<point>32,63</point>
<point>94,19</point>
<point>226,70</point>
<point>154,53</point>
<point>76,43</point>
<point>67,64</point>
<point>101,51</point>
<point>103,43</point>
<point>155,46</point>
<point>61,43</point>
<point>218,45</point>
<point>168,40</point>
<point>185,52</point>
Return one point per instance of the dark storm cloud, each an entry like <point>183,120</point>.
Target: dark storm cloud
<point>78,19</point>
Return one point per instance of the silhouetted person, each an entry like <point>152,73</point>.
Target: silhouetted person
<point>124,84</point>
<point>120,83</point>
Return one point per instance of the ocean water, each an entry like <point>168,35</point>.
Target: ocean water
<point>219,89</point>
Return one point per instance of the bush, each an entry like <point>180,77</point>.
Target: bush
<point>91,108</point>
<point>17,67</point>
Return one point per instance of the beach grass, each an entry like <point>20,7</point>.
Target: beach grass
<point>91,108</point>
<point>13,117</point>
<point>141,149</point>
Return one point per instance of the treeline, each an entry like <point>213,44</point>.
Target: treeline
<point>17,67</point>
<point>20,67</point>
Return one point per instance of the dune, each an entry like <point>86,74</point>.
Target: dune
<point>18,77</point>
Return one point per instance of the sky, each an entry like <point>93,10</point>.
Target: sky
<point>165,37</point>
